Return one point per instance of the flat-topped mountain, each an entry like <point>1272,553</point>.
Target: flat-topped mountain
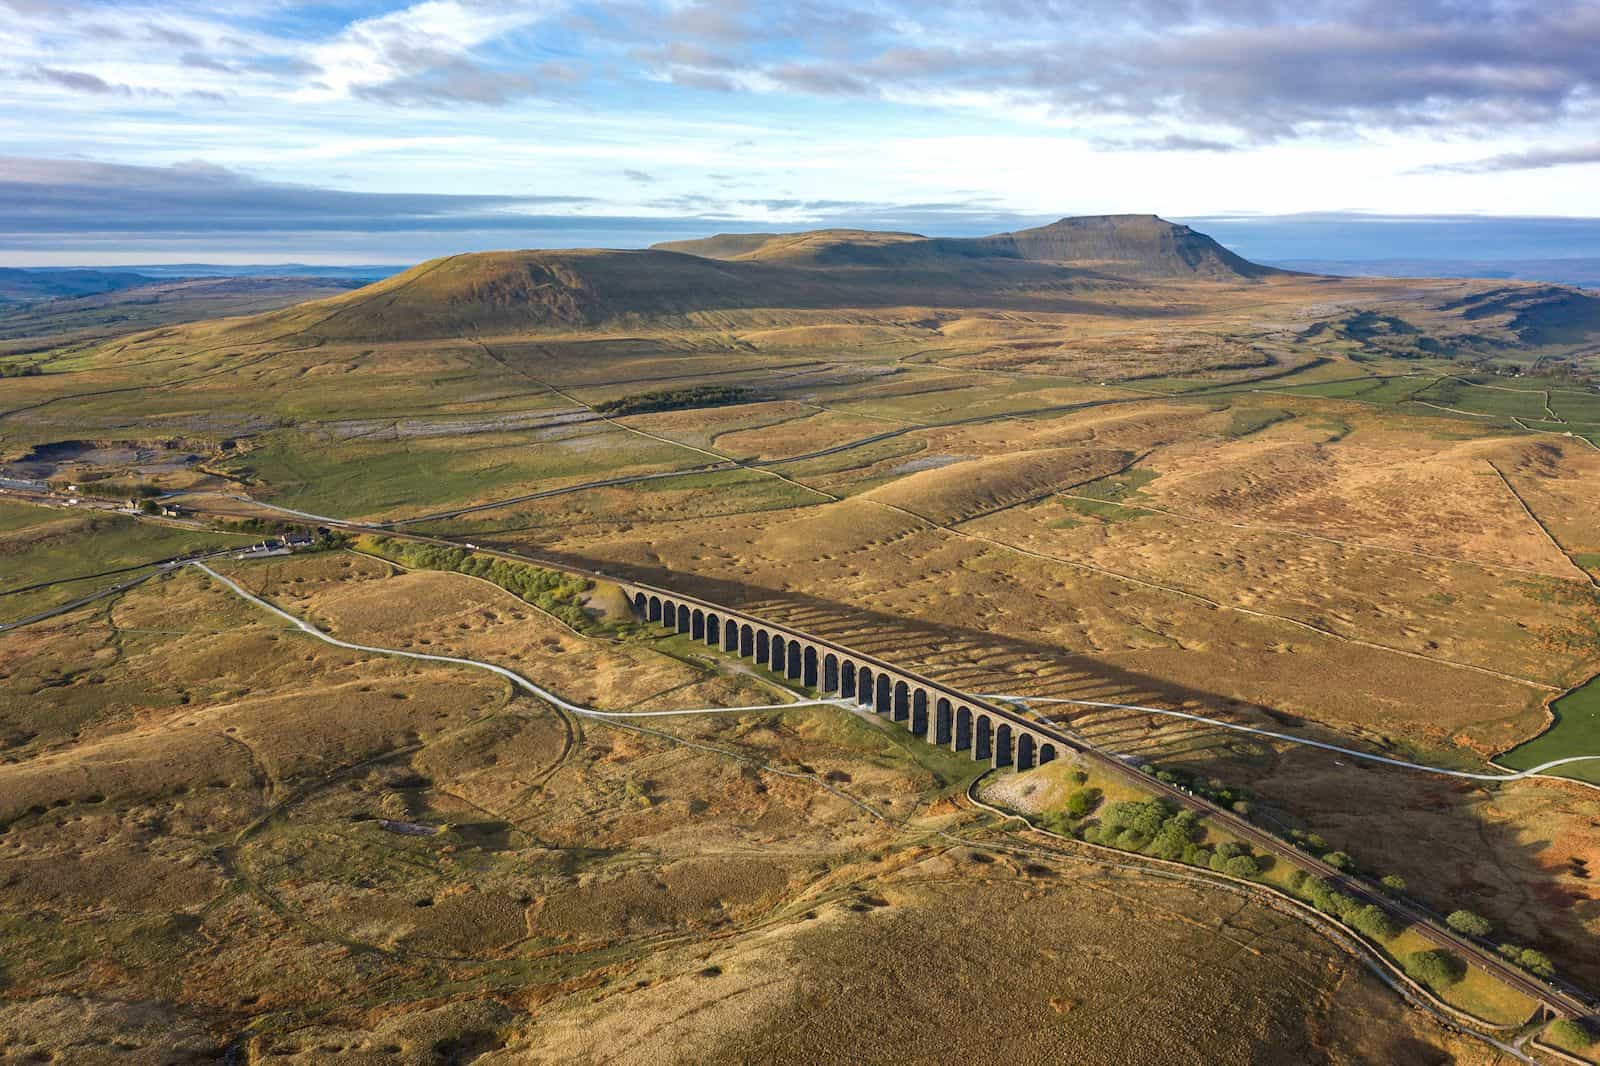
<point>1048,268</point>
<point>1131,245</point>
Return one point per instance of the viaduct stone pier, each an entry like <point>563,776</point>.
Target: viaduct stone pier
<point>937,713</point>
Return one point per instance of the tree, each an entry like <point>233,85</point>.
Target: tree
<point>1241,866</point>
<point>1339,860</point>
<point>1371,921</point>
<point>1145,818</point>
<point>1394,883</point>
<point>1469,924</point>
<point>1437,969</point>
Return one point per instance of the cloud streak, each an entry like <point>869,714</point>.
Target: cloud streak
<point>40,197</point>
<point>1536,159</point>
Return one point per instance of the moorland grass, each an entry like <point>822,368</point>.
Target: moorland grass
<point>14,516</point>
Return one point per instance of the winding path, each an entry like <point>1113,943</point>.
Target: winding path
<point>510,675</point>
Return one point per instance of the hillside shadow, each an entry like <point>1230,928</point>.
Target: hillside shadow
<point>972,660</point>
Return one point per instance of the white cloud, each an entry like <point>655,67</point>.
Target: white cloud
<point>386,48</point>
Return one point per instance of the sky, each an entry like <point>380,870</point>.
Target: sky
<point>363,131</point>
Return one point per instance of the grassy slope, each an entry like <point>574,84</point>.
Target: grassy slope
<point>1576,731</point>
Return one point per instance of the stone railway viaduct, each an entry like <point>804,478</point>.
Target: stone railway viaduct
<point>939,714</point>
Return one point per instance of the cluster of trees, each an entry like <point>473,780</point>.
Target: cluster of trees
<point>697,396</point>
<point>1535,962</point>
<point>1367,919</point>
<point>1313,842</point>
<point>1474,925</point>
<point>1153,827</point>
<point>265,526</point>
<point>557,594</point>
<point>17,370</point>
<point>111,490</point>
<point>1223,795</point>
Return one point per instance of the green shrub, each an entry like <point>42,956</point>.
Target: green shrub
<point>1339,860</point>
<point>1436,968</point>
<point>1081,801</point>
<point>1469,924</point>
<point>1394,883</point>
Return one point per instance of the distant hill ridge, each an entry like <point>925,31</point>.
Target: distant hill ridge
<point>1135,245</point>
<point>1051,267</point>
<point>22,286</point>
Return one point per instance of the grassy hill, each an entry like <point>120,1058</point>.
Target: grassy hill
<point>23,286</point>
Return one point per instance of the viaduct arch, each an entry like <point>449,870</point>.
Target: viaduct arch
<point>935,712</point>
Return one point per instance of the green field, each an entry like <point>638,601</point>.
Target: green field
<point>1576,731</point>
<point>355,478</point>
<point>84,545</point>
<point>1483,399</point>
<point>1386,390</point>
